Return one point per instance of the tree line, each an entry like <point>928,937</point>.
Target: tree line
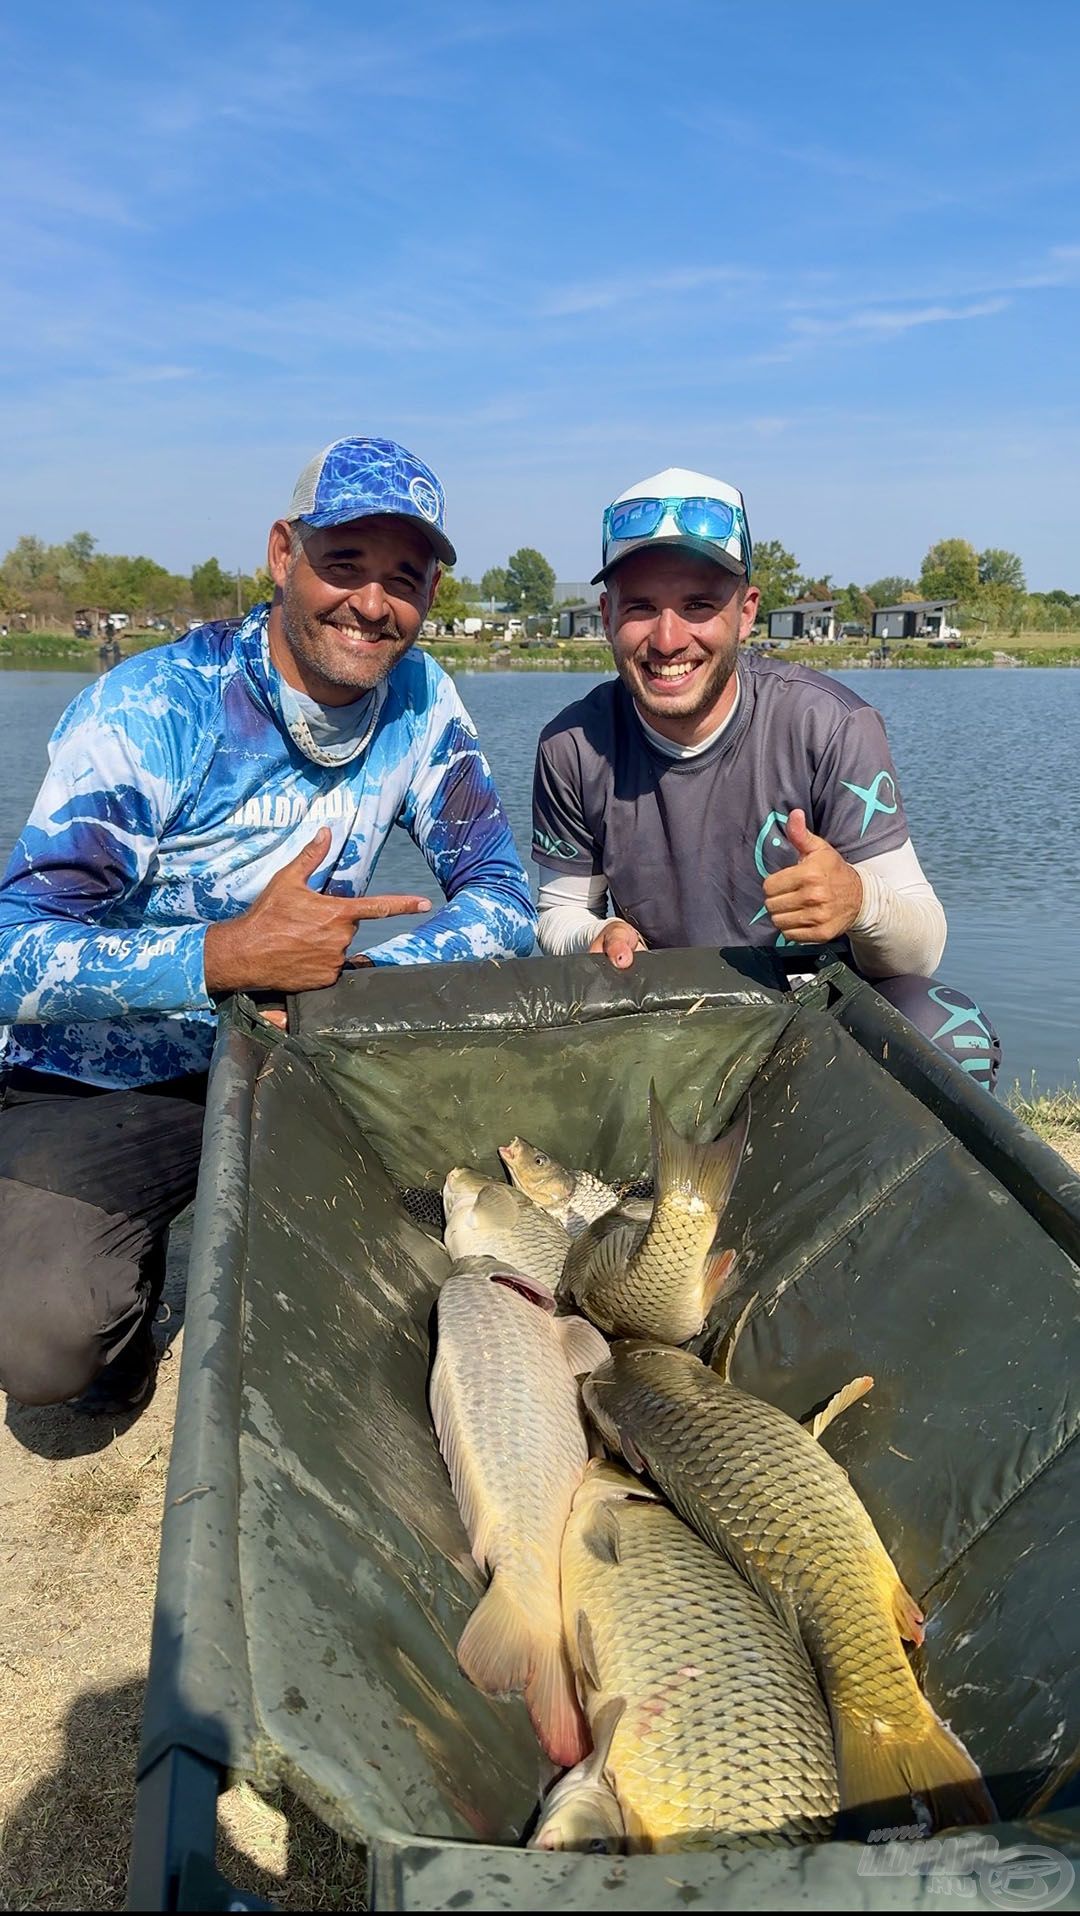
<point>55,581</point>
<point>989,586</point>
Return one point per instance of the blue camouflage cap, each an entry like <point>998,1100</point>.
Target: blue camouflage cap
<point>356,478</point>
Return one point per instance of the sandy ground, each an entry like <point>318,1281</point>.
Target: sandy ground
<point>80,1511</point>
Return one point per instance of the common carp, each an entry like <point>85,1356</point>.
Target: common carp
<point>487,1218</point>
<point>758,1487</point>
<point>708,1723</point>
<point>660,1278</point>
<point>575,1198</point>
<point>506,1409</point>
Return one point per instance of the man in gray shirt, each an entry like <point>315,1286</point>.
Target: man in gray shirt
<point>716,800</point>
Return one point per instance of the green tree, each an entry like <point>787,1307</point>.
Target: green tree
<point>26,566</point>
<point>213,591</point>
<point>776,575</point>
<point>530,581</point>
<point>450,601</point>
<point>820,589</point>
<point>493,584</point>
<point>890,590</point>
<point>81,547</point>
<point>854,606</point>
<point>1000,568</point>
<point>950,570</point>
<point>262,587</point>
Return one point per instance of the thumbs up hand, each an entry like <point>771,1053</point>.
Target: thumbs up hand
<point>820,897</point>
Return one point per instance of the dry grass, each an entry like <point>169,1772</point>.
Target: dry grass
<point>1055,1115</point>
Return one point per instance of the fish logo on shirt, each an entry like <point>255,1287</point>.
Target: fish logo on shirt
<point>871,797</point>
<point>770,838</point>
<point>555,847</point>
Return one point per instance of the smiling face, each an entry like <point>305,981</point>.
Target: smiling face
<point>353,599</point>
<point>675,621</point>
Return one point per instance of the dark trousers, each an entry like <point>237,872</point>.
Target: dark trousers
<point>90,1181</point>
<point>951,1020</point>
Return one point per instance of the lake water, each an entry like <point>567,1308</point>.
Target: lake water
<point>988,767</point>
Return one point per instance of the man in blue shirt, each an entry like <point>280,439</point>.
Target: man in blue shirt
<point>210,822</point>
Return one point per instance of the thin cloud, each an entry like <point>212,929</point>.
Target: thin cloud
<point>598,296</point>
<point>887,322</point>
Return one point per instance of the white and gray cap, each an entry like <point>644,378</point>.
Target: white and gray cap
<point>678,507</point>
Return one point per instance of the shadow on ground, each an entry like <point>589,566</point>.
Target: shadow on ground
<point>57,1432</point>
<point>67,1845</point>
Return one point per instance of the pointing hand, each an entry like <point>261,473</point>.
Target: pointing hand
<point>293,938</point>
<point>820,897</point>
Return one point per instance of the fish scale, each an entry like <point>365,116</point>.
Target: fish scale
<point>659,1278</point>
<point>757,1487</point>
<point>505,1405</point>
<point>724,1738</point>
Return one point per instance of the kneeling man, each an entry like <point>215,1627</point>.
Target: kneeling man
<point>715,799</point>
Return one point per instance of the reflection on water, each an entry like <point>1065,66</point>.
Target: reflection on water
<point>987,764</point>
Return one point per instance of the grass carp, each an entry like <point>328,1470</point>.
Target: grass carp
<point>760,1489</point>
<point>660,1278</point>
<point>708,1724</point>
<point>486,1218</point>
<point>506,1409</point>
<point>575,1198</point>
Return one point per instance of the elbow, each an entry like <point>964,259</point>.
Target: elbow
<point>937,934</point>
<point>547,936</point>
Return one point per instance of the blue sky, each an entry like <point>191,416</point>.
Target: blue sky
<point>830,253</point>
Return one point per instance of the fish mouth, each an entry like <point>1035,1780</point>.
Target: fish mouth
<point>527,1287</point>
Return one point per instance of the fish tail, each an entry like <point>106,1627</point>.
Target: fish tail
<point>495,1651</point>
<point>880,1770</point>
<point>551,1701</point>
<point>708,1169</point>
<point>502,1652</point>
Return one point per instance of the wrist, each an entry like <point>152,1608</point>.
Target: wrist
<point>868,907</point>
<point>225,965</point>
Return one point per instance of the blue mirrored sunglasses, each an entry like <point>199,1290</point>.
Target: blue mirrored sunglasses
<point>699,518</point>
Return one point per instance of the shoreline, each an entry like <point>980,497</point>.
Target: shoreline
<point>55,651</point>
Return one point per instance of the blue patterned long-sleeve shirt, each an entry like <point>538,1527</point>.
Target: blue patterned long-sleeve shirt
<point>178,785</point>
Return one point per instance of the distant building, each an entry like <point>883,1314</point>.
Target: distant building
<point>923,619</point>
<point>813,620</point>
<point>581,621</point>
<point>574,592</point>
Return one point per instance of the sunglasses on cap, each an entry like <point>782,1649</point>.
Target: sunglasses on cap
<point>698,518</point>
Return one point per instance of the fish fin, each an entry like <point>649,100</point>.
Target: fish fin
<point>603,1726</point>
<point>599,1827</point>
<point>583,1346</point>
<point>586,1650</point>
<point>551,1701</point>
<point>909,1617</point>
<point>840,1401</point>
<point>719,1277</point>
<point>602,1535</point>
<point>723,1355</point>
<point>880,1771</point>
<point>496,1648</point>
<point>598,1257</point>
<point>710,1169</point>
